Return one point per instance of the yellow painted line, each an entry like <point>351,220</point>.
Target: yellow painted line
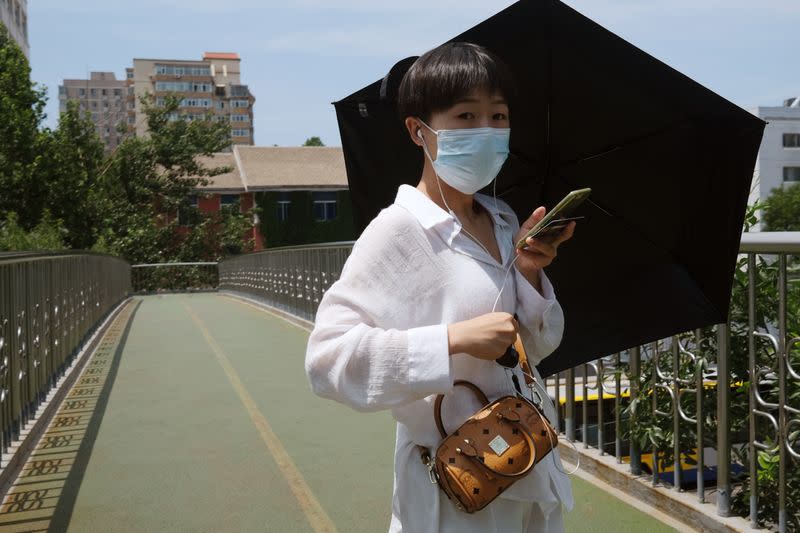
<point>265,310</point>
<point>314,512</point>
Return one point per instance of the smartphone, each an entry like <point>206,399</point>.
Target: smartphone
<point>557,216</point>
<point>555,228</point>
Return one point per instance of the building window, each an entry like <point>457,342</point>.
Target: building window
<point>228,200</point>
<point>93,92</point>
<point>240,103</point>
<point>183,86</point>
<point>129,74</point>
<point>324,205</point>
<point>195,102</point>
<point>240,133</point>
<point>240,118</point>
<point>283,210</point>
<point>791,173</point>
<point>189,216</point>
<point>791,140</point>
<point>117,92</point>
<point>82,91</point>
<point>181,71</point>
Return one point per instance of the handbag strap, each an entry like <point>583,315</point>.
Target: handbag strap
<point>437,406</point>
<point>523,360</point>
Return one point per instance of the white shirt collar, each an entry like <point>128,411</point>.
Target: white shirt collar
<point>430,214</point>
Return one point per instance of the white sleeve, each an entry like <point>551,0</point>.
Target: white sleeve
<point>541,318</point>
<point>351,360</point>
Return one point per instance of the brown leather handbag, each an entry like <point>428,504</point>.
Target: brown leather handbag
<point>495,447</point>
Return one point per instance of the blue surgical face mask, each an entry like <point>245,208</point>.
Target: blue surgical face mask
<point>468,159</point>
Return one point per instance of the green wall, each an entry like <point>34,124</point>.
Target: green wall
<point>300,227</point>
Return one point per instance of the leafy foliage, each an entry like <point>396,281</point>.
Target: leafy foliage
<point>301,227</point>
<point>313,141</point>
<point>47,235</point>
<point>783,209</point>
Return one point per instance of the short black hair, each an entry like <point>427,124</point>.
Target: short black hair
<point>441,77</point>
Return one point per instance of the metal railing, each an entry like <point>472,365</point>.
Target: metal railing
<point>668,388</point>
<point>290,278</point>
<point>49,304</point>
<point>672,382</point>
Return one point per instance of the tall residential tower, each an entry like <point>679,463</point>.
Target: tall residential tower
<point>14,15</point>
<point>211,85</point>
<point>105,97</point>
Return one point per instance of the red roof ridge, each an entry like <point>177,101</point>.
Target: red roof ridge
<point>220,55</point>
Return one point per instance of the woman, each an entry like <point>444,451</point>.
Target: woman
<point>426,298</point>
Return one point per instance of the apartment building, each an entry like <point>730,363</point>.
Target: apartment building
<point>14,15</point>
<point>778,162</point>
<point>105,97</point>
<point>211,85</point>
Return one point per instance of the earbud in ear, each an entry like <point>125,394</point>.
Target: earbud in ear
<point>419,133</point>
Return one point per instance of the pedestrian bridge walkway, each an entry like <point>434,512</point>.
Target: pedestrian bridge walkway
<point>194,414</point>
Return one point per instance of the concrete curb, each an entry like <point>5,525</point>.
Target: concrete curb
<point>679,506</point>
<point>294,319</point>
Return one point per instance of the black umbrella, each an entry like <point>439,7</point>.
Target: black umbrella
<point>669,162</point>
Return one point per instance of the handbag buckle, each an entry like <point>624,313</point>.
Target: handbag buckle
<point>431,472</point>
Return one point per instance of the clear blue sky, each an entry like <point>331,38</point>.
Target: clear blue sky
<point>300,55</point>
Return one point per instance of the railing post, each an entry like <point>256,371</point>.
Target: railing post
<point>677,473</point>
<point>635,369</point>
<point>782,362</point>
<point>585,407</point>
<point>701,489</point>
<point>751,347</point>
<point>569,411</point>
<point>654,394</point>
<point>599,378</point>
<point>723,426</point>
<point>617,408</point>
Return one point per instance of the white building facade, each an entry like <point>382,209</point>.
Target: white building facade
<point>778,163</point>
<point>14,15</point>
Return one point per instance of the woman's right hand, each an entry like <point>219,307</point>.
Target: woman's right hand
<point>485,337</point>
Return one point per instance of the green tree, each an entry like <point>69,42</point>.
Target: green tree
<point>21,112</point>
<point>151,178</point>
<point>782,212</point>
<point>69,162</point>
<point>313,141</point>
<point>47,235</point>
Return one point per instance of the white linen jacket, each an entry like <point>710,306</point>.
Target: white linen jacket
<point>380,342</point>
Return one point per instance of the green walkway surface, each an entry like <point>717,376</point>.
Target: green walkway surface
<point>205,417</point>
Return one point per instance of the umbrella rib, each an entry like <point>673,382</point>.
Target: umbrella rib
<point>636,231</point>
<point>614,147</point>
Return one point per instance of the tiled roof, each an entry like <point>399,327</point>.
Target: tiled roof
<point>258,168</point>
<point>228,181</point>
<point>292,167</point>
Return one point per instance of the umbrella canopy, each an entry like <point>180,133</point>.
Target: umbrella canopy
<point>670,164</point>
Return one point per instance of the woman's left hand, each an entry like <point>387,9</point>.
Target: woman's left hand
<point>540,252</point>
